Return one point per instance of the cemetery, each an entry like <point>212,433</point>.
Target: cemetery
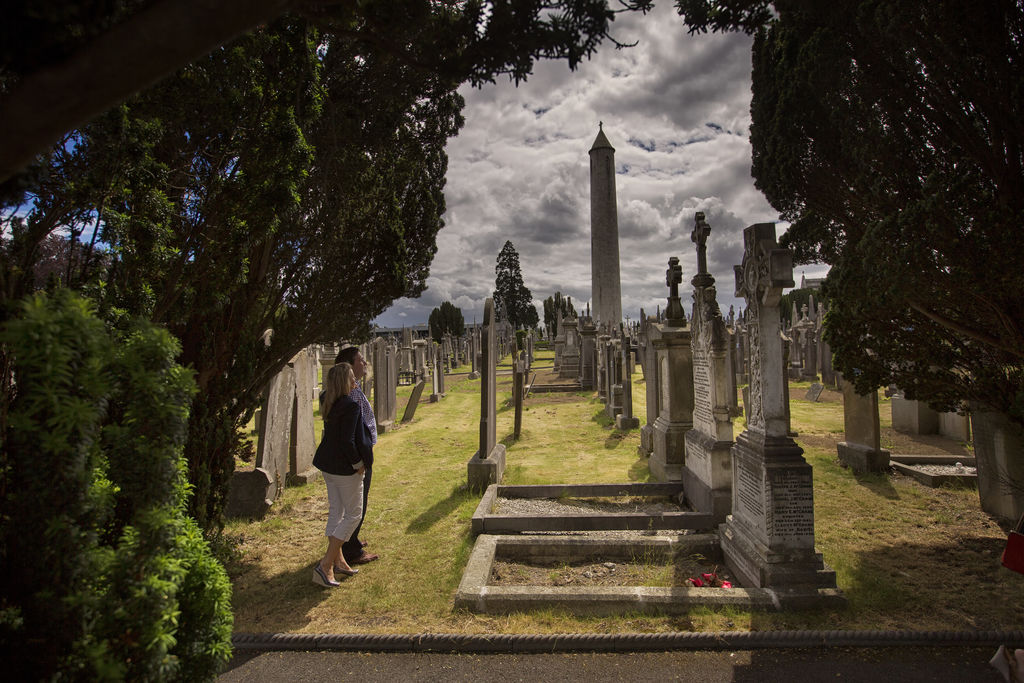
<point>194,237</point>
<point>724,512</point>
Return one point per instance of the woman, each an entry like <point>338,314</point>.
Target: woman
<point>343,453</point>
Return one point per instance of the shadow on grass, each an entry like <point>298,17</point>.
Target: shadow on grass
<point>439,510</point>
<point>639,471</point>
<point>878,483</point>
<point>294,588</point>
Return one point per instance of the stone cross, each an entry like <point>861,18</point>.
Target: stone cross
<point>765,271</point>
<point>674,313</point>
<point>699,236</point>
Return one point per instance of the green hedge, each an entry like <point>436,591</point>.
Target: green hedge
<point>104,576</point>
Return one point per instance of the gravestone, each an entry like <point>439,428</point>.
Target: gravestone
<point>249,494</point>
<point>998,444</point>
<point>474,353</point>
<point>519,370</point>
<point>768,540</point>
<point>414,400</point>
<point>385,384</point>
<point>814,392</point>
<point>626,420</point>
<point>707,470</point>
<point>913,417</point>
<point>569,367</point>
<point>674,364</point>
<point>437,375</point>
<point>275,429</point>
<point>588,353</point>
<point>302,444</point>
<point>487,465</point>
<point>861,449</point>
<point>651,391</point>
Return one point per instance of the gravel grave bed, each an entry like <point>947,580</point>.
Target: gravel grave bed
<point>945,469</point>
<point>576,506</point>
<point>596,573</point>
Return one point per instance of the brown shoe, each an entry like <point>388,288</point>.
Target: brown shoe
<point>365,558</point>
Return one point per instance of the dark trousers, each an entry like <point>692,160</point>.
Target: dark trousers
<point>353,547</point>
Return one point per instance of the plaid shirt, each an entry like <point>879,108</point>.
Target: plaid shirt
<point>364,405</point>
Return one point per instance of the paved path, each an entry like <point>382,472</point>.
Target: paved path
<point>906,665</point>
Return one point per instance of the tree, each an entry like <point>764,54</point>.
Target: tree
<point>446,320</point>
<point>231,196</point>
<point>888,134</point>
<point>61,64</point>
<point>512,300</point>
<point>554,304</point>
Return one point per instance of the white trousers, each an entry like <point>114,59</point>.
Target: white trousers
<point>345,501</point>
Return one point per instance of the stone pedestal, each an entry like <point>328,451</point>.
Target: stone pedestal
<point>674,363</point>
<point>768,540</point>
<point>588,355</point>
<point>482,472</point>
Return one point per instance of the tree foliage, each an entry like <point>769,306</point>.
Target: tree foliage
<point>63,63</point>
<point>889,134</point>
<point>230,209</point>
<point>103,575</point>
<point>512,300</point>
<point>554,304</point>
<point>447,319</point>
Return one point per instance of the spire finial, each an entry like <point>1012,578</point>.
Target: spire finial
<point>600,126</point>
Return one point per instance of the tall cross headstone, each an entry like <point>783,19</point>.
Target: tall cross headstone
<point>707,472</point>
<point>768,540</point>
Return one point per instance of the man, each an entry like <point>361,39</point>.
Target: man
<point>353,550</point>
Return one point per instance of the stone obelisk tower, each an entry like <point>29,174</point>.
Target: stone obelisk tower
<point>604,236</point>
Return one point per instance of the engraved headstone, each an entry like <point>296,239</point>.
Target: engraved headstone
<point>814,393</point>
<point>707,473</point>
<point>768,540</point>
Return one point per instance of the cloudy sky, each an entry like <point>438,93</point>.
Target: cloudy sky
<point>677,110</point>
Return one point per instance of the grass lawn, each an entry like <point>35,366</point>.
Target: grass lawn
<point>906,556</point>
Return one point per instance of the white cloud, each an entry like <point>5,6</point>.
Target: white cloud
<point>676,109</point>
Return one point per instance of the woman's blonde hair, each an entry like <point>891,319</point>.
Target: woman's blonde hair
<point>340,380</point>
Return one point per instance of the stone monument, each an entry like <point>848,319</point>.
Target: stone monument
<point>488,464</point>
<point>674,365</point>
<point>707,473</point>
<point>768,540</point>
<point>604,236</point>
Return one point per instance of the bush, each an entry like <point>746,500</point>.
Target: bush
<point>103,574</point>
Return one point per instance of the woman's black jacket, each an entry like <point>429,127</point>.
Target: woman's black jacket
<point>346,440</point>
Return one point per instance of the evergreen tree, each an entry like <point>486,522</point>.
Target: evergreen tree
<point>447,319</point>
<point>888,133</point>
<point>512,300</point>
<point>554,304</point>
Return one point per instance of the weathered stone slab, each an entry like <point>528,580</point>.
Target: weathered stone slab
<point>814,393</point>
<point>302,444</point>
<point>272,452</point>
<point>249,494</point>
<point>414,400</point>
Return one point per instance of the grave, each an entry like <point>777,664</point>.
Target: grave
<point>302,437</point>
<point>488,464</point>
<point>938,470</point>
<point>707,469</point>
<point>414,401</point>
<point>768,540</point>
<point>998,445</point>
<point>861,450</point>
<point>674,365</point>
<point>626,420</point>
<point>272,452</point>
